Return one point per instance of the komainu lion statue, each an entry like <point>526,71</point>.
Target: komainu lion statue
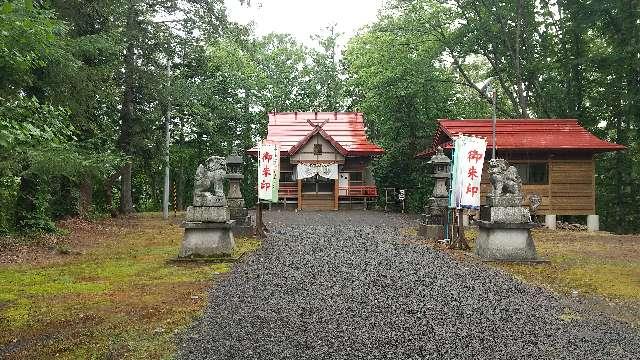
<point>504,178</point>
<point>209,186</point>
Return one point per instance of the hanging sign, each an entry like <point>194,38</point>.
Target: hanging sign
<point>268,171</point>
<point>327,171</point>
<point>468,160</point>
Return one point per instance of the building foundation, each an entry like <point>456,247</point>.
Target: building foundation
<point>593,222</point>
<point>550,222</point>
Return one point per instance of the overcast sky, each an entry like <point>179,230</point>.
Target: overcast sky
<point>303,18</point>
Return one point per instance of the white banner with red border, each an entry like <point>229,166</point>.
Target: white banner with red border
<point>268,171</point>
<point>469,153</point>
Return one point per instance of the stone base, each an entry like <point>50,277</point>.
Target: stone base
<point>505,242</point>
<point>207,240</point>
<point>431,232</point>
<point>240,215</point>
<point>508,200</point>
<point>505,215</point>
<point>208,214</point>
<point>208,199</point>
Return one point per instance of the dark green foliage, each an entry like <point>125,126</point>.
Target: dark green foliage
<point>549,60</point>
<point>84,90</point>
<point>398,84</point>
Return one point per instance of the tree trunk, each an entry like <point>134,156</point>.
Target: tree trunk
<point>86,198</point>
<point>126,200</point>
<point>180,190</point>
<point>108,191</point>
<point>126,110</point>
<point>619,182</point>
<point>25,202</point>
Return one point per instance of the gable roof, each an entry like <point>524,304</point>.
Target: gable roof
<point>522,134</point>
<point>344,130</point>
<point>317,130</point>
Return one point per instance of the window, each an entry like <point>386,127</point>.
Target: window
<point>533,173</point>
<point>317,149</point>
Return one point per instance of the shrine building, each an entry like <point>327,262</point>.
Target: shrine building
<point>325,159</point>
<point>554,157</point>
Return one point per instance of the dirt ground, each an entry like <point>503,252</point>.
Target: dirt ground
<point>104,290</point>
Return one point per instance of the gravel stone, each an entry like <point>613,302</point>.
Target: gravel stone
<point>347,285</point>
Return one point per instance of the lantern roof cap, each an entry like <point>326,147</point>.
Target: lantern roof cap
<point>234,159</point>
<point>439,157</point>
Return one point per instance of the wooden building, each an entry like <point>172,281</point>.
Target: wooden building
<point>325,158</point>
<point>555,158</point>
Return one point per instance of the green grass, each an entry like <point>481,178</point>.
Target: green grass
<point>590,264</point>
<point>122,299</point>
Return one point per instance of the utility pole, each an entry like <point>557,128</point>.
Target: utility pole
<point>165,200</point>
<point>488,89</point>
<point>494,95</point>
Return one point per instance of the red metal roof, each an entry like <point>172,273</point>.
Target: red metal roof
<point>347,129</point>
<point>523,134</point>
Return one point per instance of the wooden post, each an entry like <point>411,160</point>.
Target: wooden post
<point>462,242</point>
<point>460,229</point>
<point>299,194</point>
<point>259,224</point>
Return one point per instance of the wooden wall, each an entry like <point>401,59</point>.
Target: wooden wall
<point>570,189</point>
<point>329,153</point>
<point>360,164</point>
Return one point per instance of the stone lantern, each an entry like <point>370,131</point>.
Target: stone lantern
<point>432,225</point>
<point>237,210</point>
<point>442,174</point>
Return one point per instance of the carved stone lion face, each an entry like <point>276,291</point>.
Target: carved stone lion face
<point>497,166</point>
<point>215,163</point>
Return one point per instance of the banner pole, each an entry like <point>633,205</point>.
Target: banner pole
<point>259,226</point>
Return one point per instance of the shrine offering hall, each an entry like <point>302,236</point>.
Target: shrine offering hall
<point>554,157</point>
<point>325,159</point>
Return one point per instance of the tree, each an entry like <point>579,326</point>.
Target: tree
<point>395,79</point>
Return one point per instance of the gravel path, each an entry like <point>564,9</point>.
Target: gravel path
<point>348,285</point>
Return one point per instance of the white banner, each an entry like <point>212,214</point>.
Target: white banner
<point>268,171</point>
<point>467,171</point>
<point>327,171</point>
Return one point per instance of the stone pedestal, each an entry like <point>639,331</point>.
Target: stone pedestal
<point>431,232</point>
<point>237,210</point>
<point>504,226</point>
<point>203,240</point>
<point>216,214</point>
<point>505,215</point>
<point>505,242</point>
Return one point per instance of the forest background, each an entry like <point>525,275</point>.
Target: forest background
<point>85,86</point>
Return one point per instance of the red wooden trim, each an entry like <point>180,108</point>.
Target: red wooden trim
<point>288,191</point>
<point>360,191</point>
